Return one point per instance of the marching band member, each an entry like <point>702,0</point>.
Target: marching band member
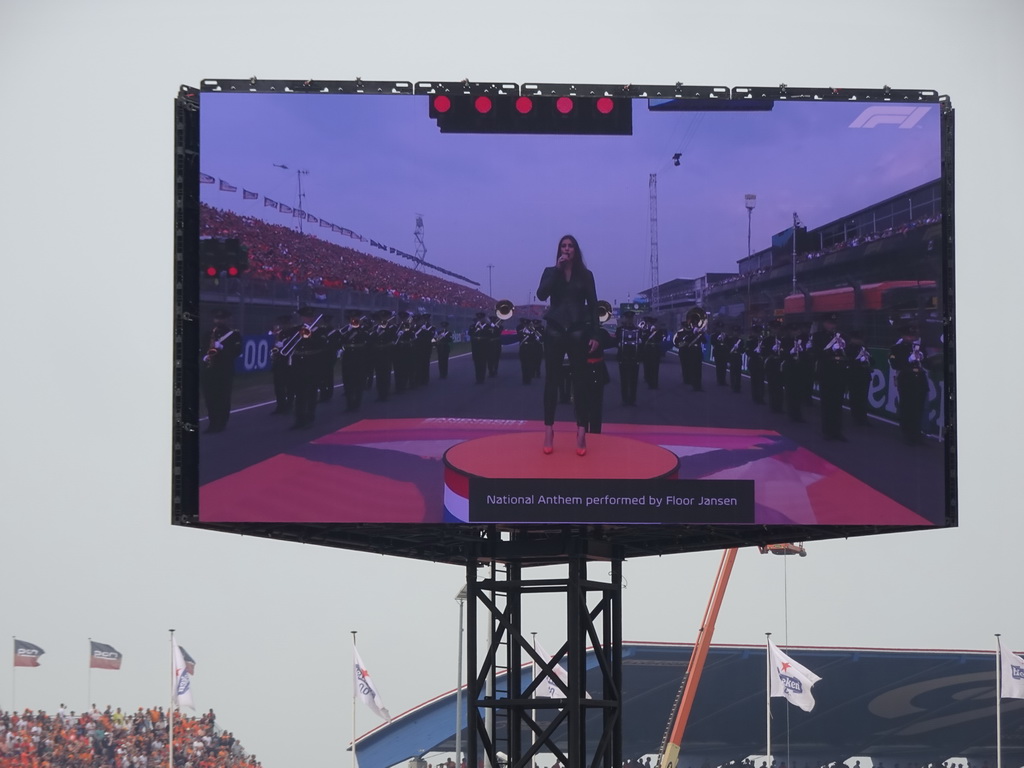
<point>755,347</point>
<point>858,377</point>
<point>828,349</point>
<point>304,349</point>
<point>652,336</point>
<point>478,336</point>
<point>443,342</point>
<point>907,357</point>
<point>218,371</point>
<point>629,358</point>
<point>279,369</point>
<point>355,359</point>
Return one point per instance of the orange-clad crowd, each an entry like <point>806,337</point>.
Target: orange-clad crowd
<point>111,738</point>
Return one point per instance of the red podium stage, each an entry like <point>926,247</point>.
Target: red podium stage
<point>519,455</point>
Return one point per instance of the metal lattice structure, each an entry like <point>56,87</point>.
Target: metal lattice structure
<point>655,277</point>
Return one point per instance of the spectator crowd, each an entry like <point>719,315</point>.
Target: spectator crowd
<point>111,738</point>
<point>282,254</point>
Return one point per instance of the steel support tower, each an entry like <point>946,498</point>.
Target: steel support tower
<point>655,278</point>
<point>507,723</point>
<point>421,247</point>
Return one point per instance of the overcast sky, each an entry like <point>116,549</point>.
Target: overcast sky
<point>86,548</point>
<point>372,164</point>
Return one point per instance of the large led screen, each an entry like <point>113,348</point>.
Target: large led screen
<point>377,345</point>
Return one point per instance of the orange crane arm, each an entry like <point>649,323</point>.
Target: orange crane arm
<point>670,750</point>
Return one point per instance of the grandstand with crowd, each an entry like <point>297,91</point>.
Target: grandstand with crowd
<point>110,738</point>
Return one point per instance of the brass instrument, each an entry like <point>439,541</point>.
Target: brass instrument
<point>504,309</point>
<point>212,352</point>
<point>837,344</point>
<point>697,319</point>
<point>300,335</point>
<point>604,311</point>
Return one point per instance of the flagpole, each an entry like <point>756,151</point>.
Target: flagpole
<point>14,674</point>
<point>999,704</point>
<point>88,685</point>
<point>354,764</point>
<point>170,713</point>
<point>768,699</point>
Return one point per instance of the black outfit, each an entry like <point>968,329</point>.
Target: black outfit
<point>629,362</point>
<point>858,381</point>
<point>281,374</point>
<point>720,352</point>
<point>755,367</point>
<point>423,347</point>
<point>382,338</point>
<point>218,374</point>
<point>355,360</point>
<point>443,342</point>
<point>736,363</point>
<point>907,358</point>
<point>592,383</point>
<point>493,347</point>
<point>652,351</point>
<point>571,323</point>
<point>478,336</point>
<point>830,368</point>
<point>306,361</point>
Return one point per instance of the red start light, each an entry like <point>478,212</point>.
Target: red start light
<point>233,271</point>
<point>564,105</point>
<point>211,271</point>
<point>524,104</point>
<point>483,104</point>
<point>442,103</point>
<point>605,105</point>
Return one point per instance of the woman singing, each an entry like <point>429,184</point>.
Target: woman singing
<point>572,327</point>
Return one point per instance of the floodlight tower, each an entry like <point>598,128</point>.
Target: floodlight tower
<point>421,247</point>
<point>655,279</point>
<point>299,173</point>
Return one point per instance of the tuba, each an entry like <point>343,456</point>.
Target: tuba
<point>504,309</point>
<point>697,319</point>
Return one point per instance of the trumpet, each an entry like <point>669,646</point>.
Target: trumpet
<point>504,309</point>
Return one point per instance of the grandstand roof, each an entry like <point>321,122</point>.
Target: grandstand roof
<point>891,705</point>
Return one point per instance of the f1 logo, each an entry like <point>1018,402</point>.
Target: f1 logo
<point>904,117</point>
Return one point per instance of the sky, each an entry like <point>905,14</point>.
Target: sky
<point>373,164</point>
<point>86,204</point>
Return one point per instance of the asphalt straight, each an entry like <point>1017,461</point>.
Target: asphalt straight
<point>911,475</point>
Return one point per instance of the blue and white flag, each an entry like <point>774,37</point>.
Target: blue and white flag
<point>791,680</point>
<point>1011,668</point>
<point>365,689</point>
<point>182,680</point>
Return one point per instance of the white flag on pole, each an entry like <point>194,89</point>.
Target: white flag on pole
<point>366,690</point>
<point>549,689</point>
<point>1011,668</point>
<point>182,680</point>
<point>791,680</point>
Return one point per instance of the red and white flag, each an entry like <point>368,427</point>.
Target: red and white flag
<point>1011,668</point>
<point>182,680</point>
<point>365,689</point>
<point>791,680</point>
<point>103,656</point>
<point>26,654</point>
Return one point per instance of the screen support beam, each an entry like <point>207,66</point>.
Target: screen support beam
<point>508,723</point>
